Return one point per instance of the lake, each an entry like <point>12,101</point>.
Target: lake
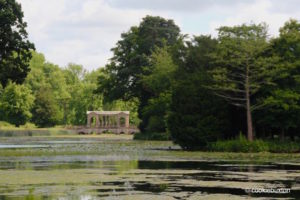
<point>116,167</point>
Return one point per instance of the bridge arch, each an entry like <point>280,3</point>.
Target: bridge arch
<point>117,121</point>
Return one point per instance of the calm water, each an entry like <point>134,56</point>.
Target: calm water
<point>110,168</point>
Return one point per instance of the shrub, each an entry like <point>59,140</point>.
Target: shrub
<point>241,144</point>
<point>284,146</point>
<point>4,124</point>
<point>28,125</point>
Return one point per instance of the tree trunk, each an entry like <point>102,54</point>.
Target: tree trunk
<point>249,122</point>
<point>248,107</point>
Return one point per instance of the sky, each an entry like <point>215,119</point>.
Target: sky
<point>84,31</point>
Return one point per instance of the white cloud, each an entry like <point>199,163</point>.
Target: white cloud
<point>83,32</point>
<point>259,11</point>
<point>83,35</point>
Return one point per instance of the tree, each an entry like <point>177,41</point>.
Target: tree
<point>197,117</point>
<point>82,93</point>
<point>74,74</point>
<point>131,54</point>
<point>36,77</point>
<point>158,82</point>
<point>282,110</point>
<point>131,106</point>
<point>240,67</point>
<point>46,112</point>
<point>15,48</point>
<point>282,100</point>
<point>47,75</point>
<point>15,104</point>
<point>159,74</point>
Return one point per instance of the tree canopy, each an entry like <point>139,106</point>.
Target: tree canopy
<point>196,117</point>
<point>283,97</point>
<point>15,48</point>
<point>196,89</point>
<point>132,55</point>
<point>241,70</point>
<point>16,102</point>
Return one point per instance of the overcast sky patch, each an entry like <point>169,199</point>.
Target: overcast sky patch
<point>83,32</point>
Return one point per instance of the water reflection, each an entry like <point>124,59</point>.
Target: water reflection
<point>125,169</point>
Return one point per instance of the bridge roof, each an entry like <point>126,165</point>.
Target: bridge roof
<point>108,112</point>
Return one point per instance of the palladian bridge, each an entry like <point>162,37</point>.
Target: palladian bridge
<point>107,121</point>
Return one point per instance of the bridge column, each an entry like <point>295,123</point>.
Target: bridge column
<point>97,121</point>
<point>115,121</point>
<point>127,121</point>
<point>100,121</point>
<point>88,121</point>
<point>118,121</point>
<point>107,120</point>
<point>126,124</point>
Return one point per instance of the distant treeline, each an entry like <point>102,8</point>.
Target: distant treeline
<point>37,91</point>
<point>51,95</point>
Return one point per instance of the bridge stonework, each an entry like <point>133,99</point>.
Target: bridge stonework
<point>107,121</point>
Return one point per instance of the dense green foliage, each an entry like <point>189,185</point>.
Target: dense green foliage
<point>45,111</point>
<point>282,98</point>
<point>131,56</point>
<point>206,89</point>
<point>58,96</point>
<point>14,46</point>
<point>158,82</point>
<point>16,102</point>
<point>197,116</point>
<point>241,144</point>
<point>240,69</point>
<point>201,92</point>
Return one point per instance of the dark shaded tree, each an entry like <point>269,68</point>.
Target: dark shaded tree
<point>282,100</point>
<point>46,112</point>
<point>159,82</point>
<point>131,55</point>
<point>197,117</point>
<point>241,70</point>
<point>15,48</point>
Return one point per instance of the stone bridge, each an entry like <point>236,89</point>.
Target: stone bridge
<point>107,121</point>
<point>87,130</point>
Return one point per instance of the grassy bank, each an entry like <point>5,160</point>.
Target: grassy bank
<point>7,126</point>
<point>104,145</point>
<point>28,126</point>
<point>29,129</point>
<point>241,144</point>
